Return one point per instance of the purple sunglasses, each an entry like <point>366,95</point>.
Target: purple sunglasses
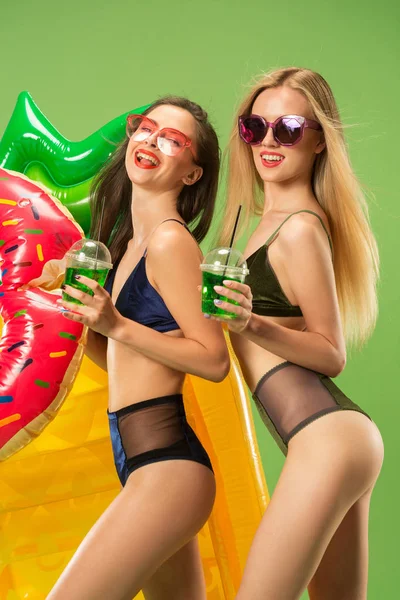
<point>287,130</point>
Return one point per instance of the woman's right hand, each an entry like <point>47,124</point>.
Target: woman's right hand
<point>240,293</point>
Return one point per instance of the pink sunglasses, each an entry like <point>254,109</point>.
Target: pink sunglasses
<point>170,141</point>
<point>287,130</point>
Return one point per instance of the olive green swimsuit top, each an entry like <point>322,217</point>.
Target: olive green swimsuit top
<point>269,299</point>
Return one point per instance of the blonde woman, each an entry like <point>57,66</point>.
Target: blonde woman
<point>312,286</point>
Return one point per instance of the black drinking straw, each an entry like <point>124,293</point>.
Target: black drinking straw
<point>232,240</point>
<point>235,227</point>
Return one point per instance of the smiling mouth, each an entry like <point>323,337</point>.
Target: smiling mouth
<point>146,160</point>
<point>272,160</point>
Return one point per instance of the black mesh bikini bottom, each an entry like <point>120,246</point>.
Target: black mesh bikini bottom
<point>152,431</point>
<point>289,397</point>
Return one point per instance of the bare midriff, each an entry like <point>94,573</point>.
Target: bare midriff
<point>254,360</point>
<point>133,377</point>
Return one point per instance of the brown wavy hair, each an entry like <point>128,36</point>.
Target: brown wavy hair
<point>195,203</point>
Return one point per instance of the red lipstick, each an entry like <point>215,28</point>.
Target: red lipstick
<point>146,163</point>
<point>269,162</point>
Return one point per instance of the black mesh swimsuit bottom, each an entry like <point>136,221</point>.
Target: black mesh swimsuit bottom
<point>289,397</point>
<point>153,431</point>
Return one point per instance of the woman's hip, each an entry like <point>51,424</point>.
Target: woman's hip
<point>153,430</point>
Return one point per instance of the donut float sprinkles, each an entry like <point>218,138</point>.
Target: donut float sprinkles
<point>40,351</point>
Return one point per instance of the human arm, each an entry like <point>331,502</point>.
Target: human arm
<point>305,256</point>
<point>96,348</point>
<point>173,259</point>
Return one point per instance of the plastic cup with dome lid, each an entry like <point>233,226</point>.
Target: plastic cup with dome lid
<point>90,258</point>
<point>219,265</point>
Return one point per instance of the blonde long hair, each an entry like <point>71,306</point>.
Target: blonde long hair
<point>356,259</point>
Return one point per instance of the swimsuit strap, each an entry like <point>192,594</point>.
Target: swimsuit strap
<point>157,226</point>
<point>271,237</point>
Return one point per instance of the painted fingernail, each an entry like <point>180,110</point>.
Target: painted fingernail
<point>77,276</point>
<point>218,288</point>
<point>63,310</point>
<point>206,316</point>
<point>218,302</point>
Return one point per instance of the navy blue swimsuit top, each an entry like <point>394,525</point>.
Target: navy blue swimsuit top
<point>139,301</point>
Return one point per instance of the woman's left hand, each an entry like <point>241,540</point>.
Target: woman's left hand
<point>240,293</point>
<point>97,311</point>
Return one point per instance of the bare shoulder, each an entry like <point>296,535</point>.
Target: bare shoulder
<point>304,231</point>
<point>172,239</point>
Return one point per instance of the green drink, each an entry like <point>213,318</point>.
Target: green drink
<point>99,275</point>
<point>219,265</point>
<point>89,258</point>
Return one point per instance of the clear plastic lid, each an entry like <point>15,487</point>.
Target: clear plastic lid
<point>220,259</point>
<point>91,253</point>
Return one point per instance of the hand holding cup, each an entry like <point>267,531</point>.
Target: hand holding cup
<point>87,258</point>
<point>84,299</point>
<point>239,294</point>
<point>225,297</point>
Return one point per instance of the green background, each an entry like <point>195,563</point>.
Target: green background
<point>86,62</point>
